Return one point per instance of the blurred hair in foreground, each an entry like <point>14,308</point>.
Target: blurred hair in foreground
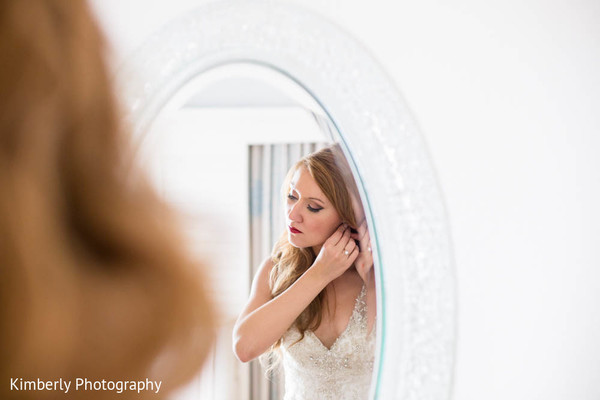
<point>95,281</point>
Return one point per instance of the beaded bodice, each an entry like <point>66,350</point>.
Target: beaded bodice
<point>343,372</point>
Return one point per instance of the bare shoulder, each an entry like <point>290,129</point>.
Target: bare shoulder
<point>260,293</point>
<point>260,284</point>
<point>265,269</point>
<point>266,266</point>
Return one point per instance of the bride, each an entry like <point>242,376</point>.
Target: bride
<point>312,302</point>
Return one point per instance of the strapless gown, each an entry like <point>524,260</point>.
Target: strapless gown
<point>343,372</point>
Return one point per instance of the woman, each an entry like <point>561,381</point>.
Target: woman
<point>94,280</point>
<point>313,300</point>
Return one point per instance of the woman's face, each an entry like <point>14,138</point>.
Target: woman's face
<point>310,216</point>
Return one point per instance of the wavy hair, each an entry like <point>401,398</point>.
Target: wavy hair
<point>94,280</point>
<point>330,170</point>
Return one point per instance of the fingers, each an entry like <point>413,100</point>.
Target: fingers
<point>350,246</point>
<point>363,238</point>
<point>350,243</point>
<point>345,236</point>
<point>363,230</point>
<point>365,243</point>
<point>343,240</point>
<point>335,238</point>
<point>351,251</point>
<point>368,246</point>
<point>353,255</point>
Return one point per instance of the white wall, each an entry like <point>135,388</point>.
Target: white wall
<point>508,97</point>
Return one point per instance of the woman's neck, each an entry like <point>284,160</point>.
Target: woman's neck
<point>317,249</point>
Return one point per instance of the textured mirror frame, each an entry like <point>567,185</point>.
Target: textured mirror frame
<point>405,209</point>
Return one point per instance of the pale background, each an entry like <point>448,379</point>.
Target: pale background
<point>507,95</point>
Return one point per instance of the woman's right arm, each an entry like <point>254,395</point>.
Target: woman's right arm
<point>264,319</point>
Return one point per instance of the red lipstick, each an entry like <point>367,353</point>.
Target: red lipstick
<point>294,230</point>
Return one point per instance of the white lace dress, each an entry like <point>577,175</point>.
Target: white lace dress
<point>343,372</point>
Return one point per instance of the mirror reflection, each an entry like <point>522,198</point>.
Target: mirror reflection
<point>246,151</point>
<point>311,307</point>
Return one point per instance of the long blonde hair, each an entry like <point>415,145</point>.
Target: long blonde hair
<point>94,280</point>
<point>329,168</point>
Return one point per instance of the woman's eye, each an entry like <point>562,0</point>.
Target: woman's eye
<point>315,210</point>
<point>291,197</point>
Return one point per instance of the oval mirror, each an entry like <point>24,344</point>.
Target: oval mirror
<point>223,100</point>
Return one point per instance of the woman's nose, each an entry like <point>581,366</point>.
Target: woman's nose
<point>294,213</point>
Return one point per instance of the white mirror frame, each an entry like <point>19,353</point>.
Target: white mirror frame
<point>413,258</point>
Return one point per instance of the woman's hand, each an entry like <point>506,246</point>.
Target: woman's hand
<point>364,261</point>
<point>337,253</point>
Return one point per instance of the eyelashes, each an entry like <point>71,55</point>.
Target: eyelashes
<point>309,208</point>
